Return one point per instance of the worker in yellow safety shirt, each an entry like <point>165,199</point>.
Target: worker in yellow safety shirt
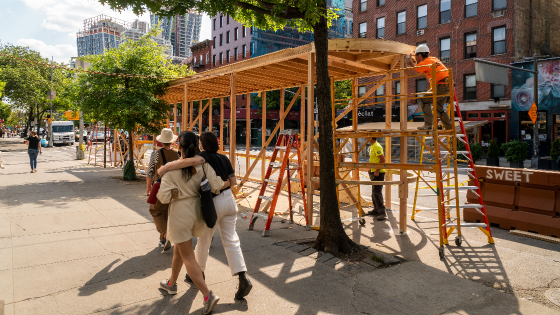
<point>442,78</point>
<point>376,156</point>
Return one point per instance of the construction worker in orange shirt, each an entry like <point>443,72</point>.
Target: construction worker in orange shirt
<point>442,78</point>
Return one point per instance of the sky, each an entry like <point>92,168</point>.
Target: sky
<point>50,26</point>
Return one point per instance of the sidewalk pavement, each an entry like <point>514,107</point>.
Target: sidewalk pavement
<point>76,239</point>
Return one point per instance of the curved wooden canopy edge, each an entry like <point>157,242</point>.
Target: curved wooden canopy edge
<point>348,58</point>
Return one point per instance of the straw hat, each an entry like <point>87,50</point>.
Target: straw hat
<point>166,136</point>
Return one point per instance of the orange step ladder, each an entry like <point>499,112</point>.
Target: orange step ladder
<point>288,139</point>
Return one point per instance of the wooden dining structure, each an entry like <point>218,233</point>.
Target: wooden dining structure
<point>348,59</point>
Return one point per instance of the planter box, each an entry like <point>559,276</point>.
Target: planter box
<point>516,164</point>
<point>544,164</point>
<point>493,161</point>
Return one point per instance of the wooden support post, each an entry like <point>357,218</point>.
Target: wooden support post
<point>247,133</point>
<point>184,110</point>
<point>191,116</point>
<point>403,188</point>
<point>116,142</point>
<point>263,134</point>
<point>388,144</point>
<point>222,124</point>
<point>355,146</point>
<point>175,118</point>
<point>210,116</point>
<point>282,100</point>
<point>232,109</point>
<point>200,117</point>
<point>310,112</point>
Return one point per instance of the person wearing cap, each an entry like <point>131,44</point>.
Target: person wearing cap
<point>423,58</point>
<point>377,175</point>
<point>159,158</point>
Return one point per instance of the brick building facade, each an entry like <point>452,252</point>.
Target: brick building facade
<point>201,56</point>
<point>456,31</point>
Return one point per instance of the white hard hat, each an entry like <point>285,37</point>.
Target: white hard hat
<point>422,49</point>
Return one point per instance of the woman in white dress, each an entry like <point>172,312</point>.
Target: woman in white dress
<point>181,189</point>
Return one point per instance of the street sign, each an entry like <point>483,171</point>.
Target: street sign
<point>533,113</point>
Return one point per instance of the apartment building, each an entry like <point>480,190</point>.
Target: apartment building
<point>457,31</point>
<point>201,59</point>
<point>183,30</point>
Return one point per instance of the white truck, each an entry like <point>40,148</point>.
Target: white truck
<point>63,132</point>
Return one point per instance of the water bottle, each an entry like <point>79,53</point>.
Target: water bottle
<point>205,185</point>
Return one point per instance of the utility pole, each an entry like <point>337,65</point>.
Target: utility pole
<point>50,103</point>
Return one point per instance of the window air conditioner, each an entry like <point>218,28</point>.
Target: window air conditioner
<point>499,13</point>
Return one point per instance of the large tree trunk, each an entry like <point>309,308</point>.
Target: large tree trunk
<point>130,147</point>
<point>332,238</point>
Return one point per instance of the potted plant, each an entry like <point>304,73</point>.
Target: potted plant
<point>476,151</point>
<point>493,158</point>
<point>515,151</point>
<point>554,154</point>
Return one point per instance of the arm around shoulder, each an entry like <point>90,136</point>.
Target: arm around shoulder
<point>216,183</point>
<point>164,194</point>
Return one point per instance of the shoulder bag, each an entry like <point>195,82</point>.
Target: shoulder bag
<point>152,199</point>
<point>206,202</point>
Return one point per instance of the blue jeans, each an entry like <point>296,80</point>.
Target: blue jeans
<point>33,157</point>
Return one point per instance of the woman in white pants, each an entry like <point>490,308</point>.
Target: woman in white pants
<point>226,209</point>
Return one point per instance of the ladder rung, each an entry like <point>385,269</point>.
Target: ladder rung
<point>470,206</point>
<point>272,181</point>
<point>468,224</point>
<point>265,198</point>
<point>281,148</point>
<point>461,188</point>
<point>348,206</point>
<point>427,195</point>
<point>278,165</point>
<point>450,170</point>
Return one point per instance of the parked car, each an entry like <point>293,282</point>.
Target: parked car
<point>97,136</point>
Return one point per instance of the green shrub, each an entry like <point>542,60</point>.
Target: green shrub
<point>493,149</point>
<point>555,150</point>
<point>515,150</point>
<point>476,151</point>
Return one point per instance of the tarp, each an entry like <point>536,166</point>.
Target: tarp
<point>491,74</point>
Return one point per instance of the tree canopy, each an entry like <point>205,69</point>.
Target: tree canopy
<point>124,101</point>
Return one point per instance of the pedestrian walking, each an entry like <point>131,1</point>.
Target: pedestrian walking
<point>376,156</point>
<point>33,149</point>
<point>185,217</point>
<point>422,58</point>
<point>160,157</point>
<point>226,209</point>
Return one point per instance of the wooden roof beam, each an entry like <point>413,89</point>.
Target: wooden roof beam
<point>376,66</point>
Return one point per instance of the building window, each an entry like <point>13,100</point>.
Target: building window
<point>499,40</point>
<point>244,51</point>
<point>380,2</point>
<point>227,56</point>
<point>235,53</point>
<point>363,5</point>
<point>472,115</point>
<point>444,11</point>
<point>228,19</point>
<point>221,58</point>
<point>401,22</point>
<point>221,20</point>
<point>361,91</point>
<point>445,49</point>
<point>214,44</point>
<point>470,87</point>
<point>471,8</point>
<point>470,45</point>
<point>236,33</point>
<point>381,27</point>
<point>397,89</point>
<point>243,96</point>
<point>421,85</point>
<point>207,57</point>
<point>214,60</point>
<point>379,92</point>
<point>422,16</point>
<point>214,24</point>
<point>499,4</point>
<point>221,39</point>
<point>498,91</point>
<point>194,60</point>
<point>363,30</point>
<point>243,31</point>
<point>227,37</point>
